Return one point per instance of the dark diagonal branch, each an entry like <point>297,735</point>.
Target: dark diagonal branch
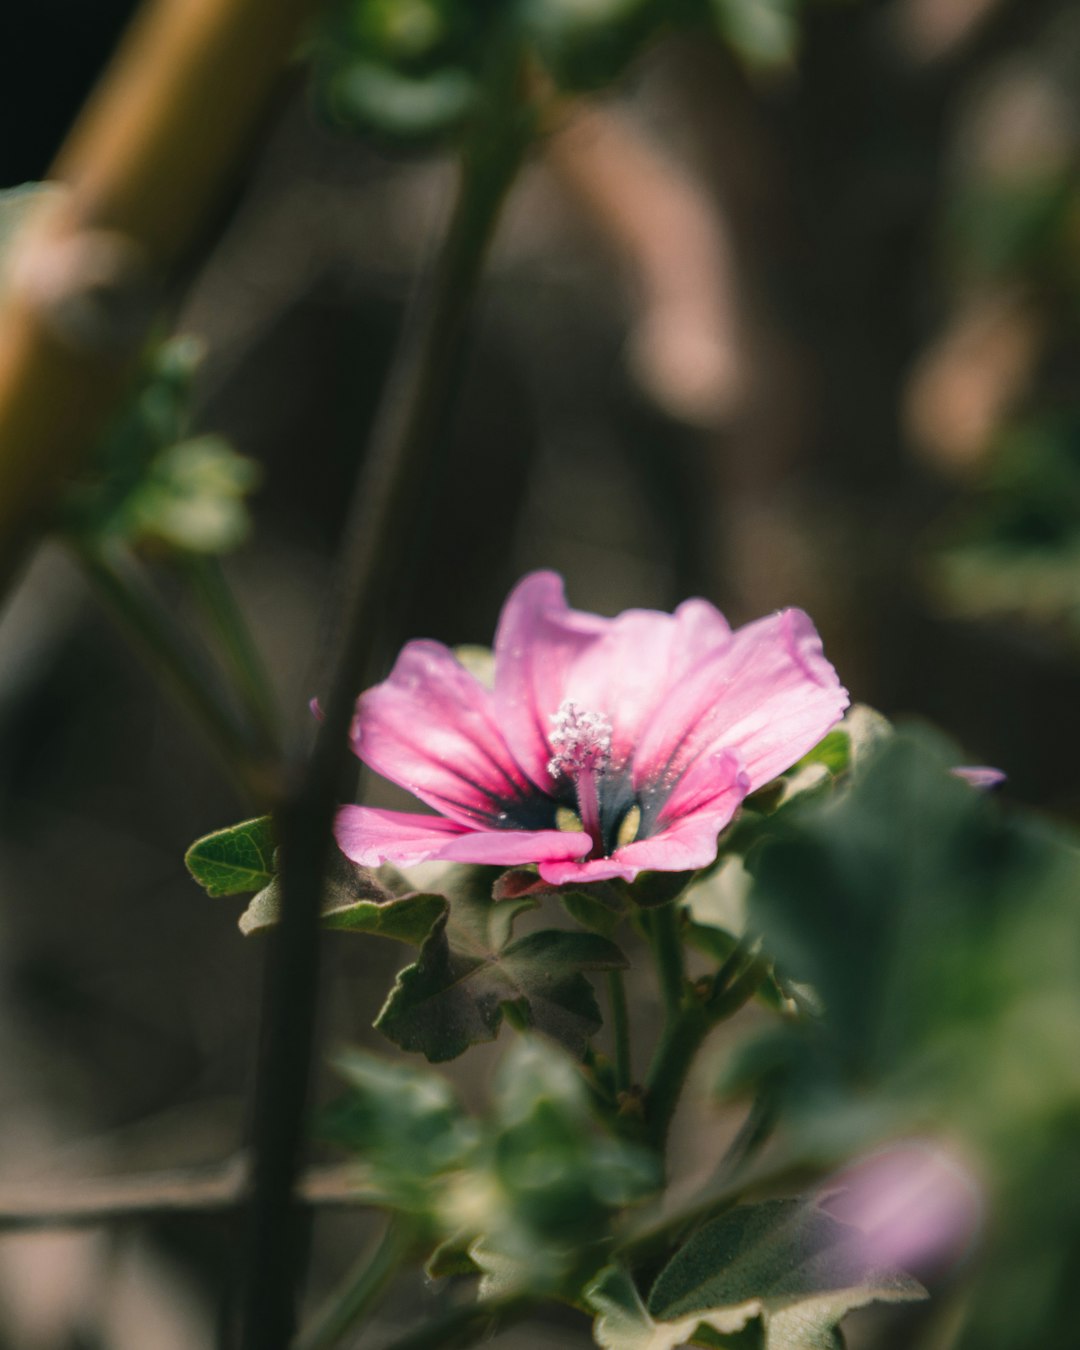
<point>374,552</point>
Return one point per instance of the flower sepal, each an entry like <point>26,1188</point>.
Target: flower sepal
<point>649,890</point>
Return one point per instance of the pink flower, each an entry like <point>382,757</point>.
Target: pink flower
<point>916,1202</point>
<point>607,746</point>
<point>979,775</point>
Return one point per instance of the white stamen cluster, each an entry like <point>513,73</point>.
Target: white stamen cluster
<point>581,740</point>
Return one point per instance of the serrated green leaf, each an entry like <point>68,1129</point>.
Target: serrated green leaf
<point>234,860</point>
<point>407,918</point>
<point>786,1261</point>
<point>454,996</point>
<point>623,1323</point>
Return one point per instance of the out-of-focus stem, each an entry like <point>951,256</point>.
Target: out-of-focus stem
<point>464,1326</point>
<point>122,586</point>
<point>218,602</point>
<point>687,1022</point>
<point>620,1026</point>
<point>144,164</point>
<point>667,950</point>
<point>375,550</point>
<point>362,1290</point>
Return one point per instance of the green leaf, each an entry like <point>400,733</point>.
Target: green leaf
<point>623,1322</point>
<point>763,32</point>
<point>237,859</point>
<point>834,752</point>
<point>451,1257</point>
<point>591,911</point>
<point>937,928</point>
<point>469,972</point>
<point>650,889</point>
<point>193,497</point>
<point>402,105</point>
<point>150,483</point>
<point>783,1260</point>
<point>406,1126</point>
<point>556,1177</point>
<point>406,918</point>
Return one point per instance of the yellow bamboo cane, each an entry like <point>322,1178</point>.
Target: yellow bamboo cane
<point>144,164</point>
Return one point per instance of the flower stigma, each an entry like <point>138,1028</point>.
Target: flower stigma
<point>581,740</point>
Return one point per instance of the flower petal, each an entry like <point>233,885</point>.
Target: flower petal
<point>982,776</point>
<point>628,672</point>
<point>621,668</point>
<point>431,728</point>
<point>687,827</point>
<point>538,639</point>
<point>769,695</point>
<point>370,836</point>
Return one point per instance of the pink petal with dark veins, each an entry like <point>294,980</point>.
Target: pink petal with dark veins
<point>769,696</point>
<point>431,728</point>
<point>370,836</point>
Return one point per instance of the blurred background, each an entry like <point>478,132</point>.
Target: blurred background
<point>780,321</point>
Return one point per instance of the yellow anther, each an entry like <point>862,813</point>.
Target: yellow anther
<point>566,818</point>
<point>628,827</point>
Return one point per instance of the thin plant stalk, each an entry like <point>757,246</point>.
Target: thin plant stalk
<point>667,952</point>
<point>686,1025</point>
<point>120,583</point>
<point>375,550</point>
<point>363,1288</point>
<point>217,600</point>
<point>465,1326</point>
<point>620,1026</point>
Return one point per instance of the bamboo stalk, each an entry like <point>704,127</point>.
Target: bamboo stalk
<point>144,164</point>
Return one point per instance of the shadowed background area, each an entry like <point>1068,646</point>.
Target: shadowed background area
<point>806,336</point>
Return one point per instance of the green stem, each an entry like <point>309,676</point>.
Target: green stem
<point>362,1289</point>
<point>668,954</point>
<point>124,588</point>
<point>651,1242</point>
<point>679,1043</point>
<point>218,602</point>
<point>464,1326</point>
<point>686,1025</point>
<point>620,1025</point>
<point>753,1132</point>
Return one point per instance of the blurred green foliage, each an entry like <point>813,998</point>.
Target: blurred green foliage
<point>1015,549</point>
<point>525,1195</point>
<point>150,484</point>
<point>413,70</point>
<point>779,1275</point>
<point>940,933</point>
